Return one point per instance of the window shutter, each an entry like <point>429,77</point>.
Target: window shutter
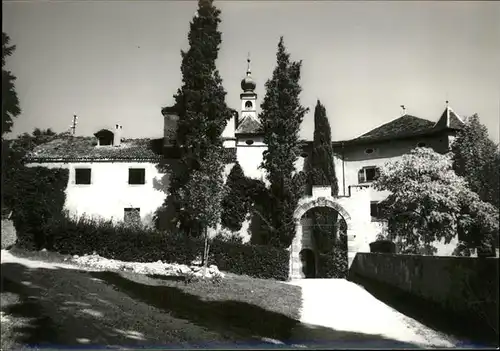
<point>361,176</point>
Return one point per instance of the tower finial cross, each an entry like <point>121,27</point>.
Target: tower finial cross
<point>248,64</point>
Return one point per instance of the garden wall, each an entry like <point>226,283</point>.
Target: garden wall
<point>463,288</point>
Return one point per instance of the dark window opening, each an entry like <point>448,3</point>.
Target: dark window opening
<point>375,210</point>
<point>105,137</point>
<point>132,216</point>
<point>82,175</point>
<point>368,174</point>
<point>249,142</point>
<point>136,176</point>
<point>248,104</point>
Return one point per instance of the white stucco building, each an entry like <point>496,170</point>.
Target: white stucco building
<point>118,179</point>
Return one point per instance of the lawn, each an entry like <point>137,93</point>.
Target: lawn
<point>239,310</point>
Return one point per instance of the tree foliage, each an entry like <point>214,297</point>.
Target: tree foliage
<point>429,202</point>
<point>322,172</point>
<point>477,159</point>
<point>322,166</point>
<point>235,203</point>
<point>203,115</point>
<point>10,100</point>
<point>281,117</point>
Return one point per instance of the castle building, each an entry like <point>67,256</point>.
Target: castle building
<point>116,178</point>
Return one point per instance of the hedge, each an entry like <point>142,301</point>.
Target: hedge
<point>333,264</point>
<point>85,236</point>
<point>383,246</point>
<point>35,195</point>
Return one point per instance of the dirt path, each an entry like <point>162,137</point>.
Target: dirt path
<point>344,306</point>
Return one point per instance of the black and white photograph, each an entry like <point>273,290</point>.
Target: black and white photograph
<point>251,174</point>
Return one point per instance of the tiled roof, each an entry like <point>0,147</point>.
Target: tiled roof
<point>449,120</point>
<point>408,126</point>
<point>84,148</point>
<point>249,125</point>
<point>403,126</point>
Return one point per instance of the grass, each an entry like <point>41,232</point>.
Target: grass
<point>239,309</point>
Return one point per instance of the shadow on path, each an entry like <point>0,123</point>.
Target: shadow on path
<point>67,307</point>
<point>429,314</point>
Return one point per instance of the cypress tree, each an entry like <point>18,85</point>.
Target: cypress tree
<point>322,172</point>
<point>203,113</point>
<point>281,116</point>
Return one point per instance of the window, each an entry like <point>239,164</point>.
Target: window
<point>82,175</point>
<point>248,105</point>
<point>374,210</point>
<point>369,151</point>
<point>131,216</point>
<point>367,174</point>
<point>249,142</point>
<point>136,176</point>
<point>421,144</point>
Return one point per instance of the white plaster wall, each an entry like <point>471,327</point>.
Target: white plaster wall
<point>229,129</point>
<point>356,158</point>
<point>250,157</point>
<point>110,192</point>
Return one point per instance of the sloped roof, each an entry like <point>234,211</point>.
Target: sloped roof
<point>84,148</point>
<point>403,126</point>
<point>449,120</point>
<point>249,125</point>
<point>409,126</point>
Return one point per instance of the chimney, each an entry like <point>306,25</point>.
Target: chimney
<point>117,135</point>
<point>403,110</point>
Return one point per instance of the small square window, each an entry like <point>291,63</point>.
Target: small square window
<point>82,175</point>
<point>132,216</point>
<point>368,174</point>
<point>136,176</point>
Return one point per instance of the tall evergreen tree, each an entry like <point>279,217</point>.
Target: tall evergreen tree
<point>322,172</point>
<point>10,101</point>
<point>202,110</point>
<point>323,168</point>
<point>281,117</point>
<point>476,158</point>
<point>235,204</point>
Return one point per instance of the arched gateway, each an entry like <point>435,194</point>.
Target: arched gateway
<point>354,208</point>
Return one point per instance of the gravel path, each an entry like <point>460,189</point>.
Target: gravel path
<point>340,305</point>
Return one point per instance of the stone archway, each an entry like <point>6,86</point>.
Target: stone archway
<point>320,198</point>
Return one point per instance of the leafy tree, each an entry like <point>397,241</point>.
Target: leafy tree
<point>281,117</point>
<point>203,113</point>
<point>10,101</point>
<point>322,172</point>
<point>235,204</point>
<point>476,158</point>
<point>205,191</point>
<point>429,202</point>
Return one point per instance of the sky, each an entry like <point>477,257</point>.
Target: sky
<point>119,61</point>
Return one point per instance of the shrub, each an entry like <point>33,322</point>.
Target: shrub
<point>258,261</point>
<point>83,235</point>
<point>36,196</point>
<point>333,264</point>
<point>383,246</point>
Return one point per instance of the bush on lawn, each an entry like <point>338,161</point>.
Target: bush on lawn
<point>84,236</point>
<point>258,261</point>
<point>36,195</point>
<point>383,246</point>
<point>333,264</point>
